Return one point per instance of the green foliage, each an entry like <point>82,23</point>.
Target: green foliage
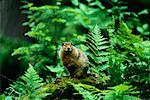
<point>3,97</point>
<point>98,46</point>
<point>127,57</point>
<point>42,22</point>
<point>117,54</point>
<point>85,15</point>
<point>120,92</point>
<point>29,86</point>
<point>46,23</point>
<point>143,29</point>
<point>86,94</point>
<point>58,70</point>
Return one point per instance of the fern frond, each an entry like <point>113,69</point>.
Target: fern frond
<point>87,95</point>
<point>122,91</point>
<point>97,44</point>
<point>30,85</point>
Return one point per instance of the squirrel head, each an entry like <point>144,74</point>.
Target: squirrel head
<point>67,46</point>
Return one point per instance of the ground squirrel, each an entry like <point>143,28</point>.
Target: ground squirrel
<point>74,60</point>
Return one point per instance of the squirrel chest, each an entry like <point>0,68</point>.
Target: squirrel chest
<point>71,60</point>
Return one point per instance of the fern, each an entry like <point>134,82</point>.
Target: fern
<point>87,95</point>
<point>129,58</point>
<point>33,54</point>
<point>3,97</point>
<point>98,46</point>
<point>29,86</point>
<point>120,92</point>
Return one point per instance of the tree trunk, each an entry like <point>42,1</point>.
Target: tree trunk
<point>11,18</point>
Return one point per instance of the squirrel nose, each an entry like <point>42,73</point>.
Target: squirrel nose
<point>68,48</point>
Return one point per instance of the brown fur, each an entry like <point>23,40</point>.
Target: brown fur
<point>74,59</point>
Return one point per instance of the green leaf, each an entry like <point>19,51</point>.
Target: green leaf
<point>75,2</point>
<point>140,29</point>
<point>59,20</point>
<point>59,70</point>
<point>145,11</point>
